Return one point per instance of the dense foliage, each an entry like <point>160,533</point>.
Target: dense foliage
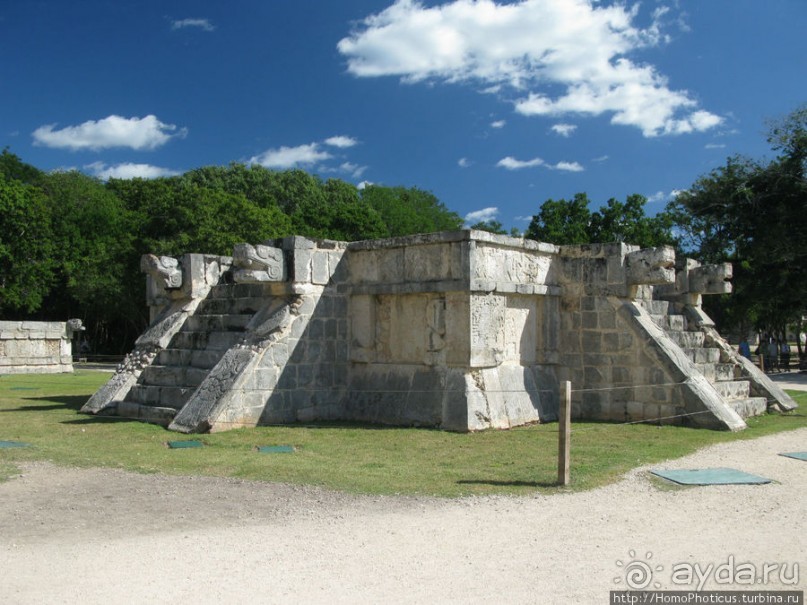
<point>754,215</point>
<point>70,245</point>
<point>571,222</point>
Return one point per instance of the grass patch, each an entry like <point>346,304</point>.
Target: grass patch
<point>43,410</point>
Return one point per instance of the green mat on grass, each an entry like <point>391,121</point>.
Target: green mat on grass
<point>710,476</point>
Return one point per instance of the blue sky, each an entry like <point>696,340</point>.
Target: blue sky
<point>492,106</point>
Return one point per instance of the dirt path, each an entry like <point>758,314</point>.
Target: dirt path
<point>101,536</point>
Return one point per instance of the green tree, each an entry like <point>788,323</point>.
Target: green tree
<point>26,247</point>
<point>95,258</point>
<point>562,221</point>
<point>339,214</point>
<point>14,168</point>
<point>406,211</point>
<point>618,222</point>
<point>175,216</point>
<point>491,226</point>
<point>754,215</point>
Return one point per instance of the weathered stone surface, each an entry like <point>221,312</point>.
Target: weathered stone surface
<point>463,331</point>
<point>165,270</point>
<point>651,266</point>
<point>37,347</point>
<point>256,264</point>
<point>711,279</point>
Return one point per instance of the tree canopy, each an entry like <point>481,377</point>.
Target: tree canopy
<point>70,244</point>
<point>571,222</point>
<point>754,214</point>
<point>26,246</point>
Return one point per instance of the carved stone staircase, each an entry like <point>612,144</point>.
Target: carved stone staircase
<point>219,323</point>
<point>720,371</point>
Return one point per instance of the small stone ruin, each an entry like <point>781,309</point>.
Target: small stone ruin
<point>460,330</point>
<point>37,347</point>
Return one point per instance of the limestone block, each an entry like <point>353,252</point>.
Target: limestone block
<point>520,330</point>
<point>488,317</point>
<point>320,270</point>
<point>391,265</point>
<point>635,410</point>
<point>432,262</point>
<point>521,393</point>
<point>363,267</point>
<point>515,266</point>
<point>592,340</point>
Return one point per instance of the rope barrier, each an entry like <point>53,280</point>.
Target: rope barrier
<point>553,392</point>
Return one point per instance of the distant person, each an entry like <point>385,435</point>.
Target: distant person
<point>745,349</point>
<point>784,356</point>
<point>772,357</point>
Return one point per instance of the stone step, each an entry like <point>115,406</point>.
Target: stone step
<point>210,341</point>
<point>160,396</point>
<point>751,406</point>
<point>156,415</point>
<point>687,340</point>
<point>733,389</point>
<point>218,322</point>
<point>716,371</point>
<point>657,307</point>
<point>188,357</point>
<point>677,323</point>
<point>703,355</point>
<point>173,376</point>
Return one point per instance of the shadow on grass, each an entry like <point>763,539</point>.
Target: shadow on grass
<point>348,424</point>
<point>508,483</point>
<point>101,420</point>
<point>72,402</point>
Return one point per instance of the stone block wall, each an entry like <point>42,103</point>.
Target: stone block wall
<point>461,330</point>
<point>35,347</point>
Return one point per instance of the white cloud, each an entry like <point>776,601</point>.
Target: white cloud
<point>291,157</point>
<point>511,163</point>
<point>354,170</point>
<point>663,196</point>
<point>464,163</point>
<point>564,130</point>
<point>364,185</point>
<point>577,47</point>
<point>486,214</point>
<point>341,141</point>
<point>203,24</point>
<point>658,196</point>
<point>602,158</point>
<point>715,146</point>
<point>567,167</point>
<point>127,170</point>
<point>113,131</point>
<point>498,124</point>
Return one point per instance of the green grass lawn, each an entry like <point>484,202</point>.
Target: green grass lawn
<point>43,410</point>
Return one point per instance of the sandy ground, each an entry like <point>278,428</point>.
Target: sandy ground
<point>102,536</point>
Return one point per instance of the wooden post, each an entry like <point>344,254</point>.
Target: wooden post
<point>564,433</point>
